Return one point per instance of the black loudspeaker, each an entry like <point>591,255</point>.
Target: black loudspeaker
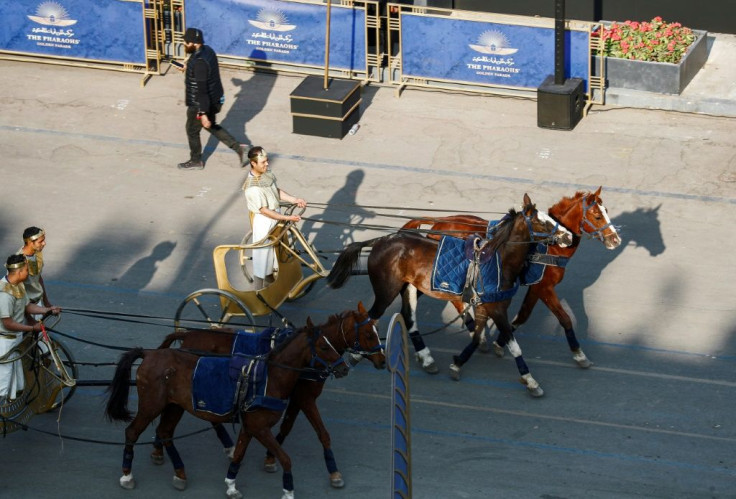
<point>560,106</point>
<point>325,112</point>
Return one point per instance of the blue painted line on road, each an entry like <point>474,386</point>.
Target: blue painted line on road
<point>387,166</point>
<point>540,446</point>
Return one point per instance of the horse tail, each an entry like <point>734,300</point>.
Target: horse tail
<point>171,338</point>
<point>117,404</point>
<point>346,262</point>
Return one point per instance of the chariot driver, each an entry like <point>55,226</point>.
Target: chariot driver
<point>34,241</point>
<point>263,197</point>
<point>15,319</point>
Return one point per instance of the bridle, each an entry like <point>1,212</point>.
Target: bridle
<point>357,348</point>
<point>544,237</point>
<point>597,232</point>
<point>318,362</point>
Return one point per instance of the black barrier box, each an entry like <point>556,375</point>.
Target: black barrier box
<point>325,112</point>
<point>560,106</point>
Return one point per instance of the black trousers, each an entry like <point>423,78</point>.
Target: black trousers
<point>194,126</point>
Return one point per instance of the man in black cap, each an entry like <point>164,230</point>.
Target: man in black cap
<point>204,97</point>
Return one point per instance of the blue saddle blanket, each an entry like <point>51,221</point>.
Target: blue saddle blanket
<point>451,267</point>
<point>215,379</point>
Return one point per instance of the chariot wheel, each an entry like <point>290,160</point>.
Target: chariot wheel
<point>15,414</point>
<point>213,308</point>
<point>52,392</point>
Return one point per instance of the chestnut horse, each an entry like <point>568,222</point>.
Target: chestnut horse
<point>164,385</point>
<point>582,213</point>
<point>402,263</point>
<point>360,336</point>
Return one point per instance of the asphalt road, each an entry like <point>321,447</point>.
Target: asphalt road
<point>90,156</point>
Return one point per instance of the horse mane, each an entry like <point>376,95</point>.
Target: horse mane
<point>502,230</point>
<point>564,204</point>
<point>296,332</point>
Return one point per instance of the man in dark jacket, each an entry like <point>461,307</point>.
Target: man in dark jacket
<point>204,97</point>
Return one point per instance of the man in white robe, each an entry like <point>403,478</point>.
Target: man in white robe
<point>263,197</point>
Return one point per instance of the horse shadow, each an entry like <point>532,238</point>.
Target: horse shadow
<point>250,98</point>
<point>639,228</point>
<point>140,274</point>
<point>340,217</point>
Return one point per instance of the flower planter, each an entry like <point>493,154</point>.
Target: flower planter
<point>659,77</point>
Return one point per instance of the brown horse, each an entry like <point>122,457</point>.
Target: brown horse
<point>582,213</point>
<point>403,264</point>
<point>164,384</point>
<point>357,329</point>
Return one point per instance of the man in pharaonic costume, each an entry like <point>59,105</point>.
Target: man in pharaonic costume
<point>34,241</point>
<point>263,197</point>
<point>15,320</point>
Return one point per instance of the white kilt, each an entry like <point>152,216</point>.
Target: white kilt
<point>11,373</point>
<point>264,261</point>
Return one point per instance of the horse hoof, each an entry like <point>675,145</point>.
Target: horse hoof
<point>454,372</point>
<point>270,467</point>
<point>288,494</point>
<point>179,483</point>
<point>157,459</point>
<point>431,368</point>
<point>336,480</point>
<point>127,482</point>
<point>585,363</point>
<point>498,350</point>
<point>535,392</point>
<point>484,347</point>
<point>234,494</point>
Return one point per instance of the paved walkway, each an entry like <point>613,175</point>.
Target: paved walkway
<point>91,156</point>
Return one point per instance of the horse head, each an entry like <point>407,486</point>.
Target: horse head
<point>324,354</point>
<point>595,220</point>
<point>543,227</point>
<point>360,335</point>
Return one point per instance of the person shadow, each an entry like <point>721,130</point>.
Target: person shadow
<point>140,274</point>
<point>249,99</point>
<point>339,218</point>
<point>639,228</point>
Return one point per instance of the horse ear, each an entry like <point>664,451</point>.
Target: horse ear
<point>361,308</point>
<point>527,200</point>
<point>598,192</point>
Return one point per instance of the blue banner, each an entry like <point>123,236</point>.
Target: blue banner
<point>439,48</point>
<point>281,32</point>
<point>103,30</point>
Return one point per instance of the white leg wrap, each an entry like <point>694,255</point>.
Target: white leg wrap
<point>425,356</point>
<point>288,494</point>
<point>579,356</point>
<point>231,490</point>
<point>514,348</point>
<point>530,382</point>
<point>127,481</point>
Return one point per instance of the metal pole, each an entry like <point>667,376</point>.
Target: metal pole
<point>327,44</point>
<point>559,42</point>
